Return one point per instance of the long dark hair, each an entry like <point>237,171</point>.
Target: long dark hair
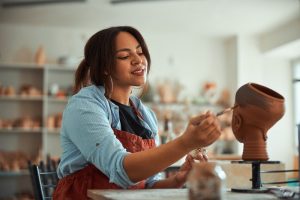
<point>99,58</point>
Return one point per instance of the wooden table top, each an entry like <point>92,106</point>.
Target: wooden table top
<point>165,194</point>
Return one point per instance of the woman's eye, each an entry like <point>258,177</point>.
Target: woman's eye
<point>140,53</point>
<point>123,57</point>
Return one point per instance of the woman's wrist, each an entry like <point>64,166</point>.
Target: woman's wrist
<point>183,141</point>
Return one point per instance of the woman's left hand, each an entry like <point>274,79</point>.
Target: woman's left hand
<point>181,176</point>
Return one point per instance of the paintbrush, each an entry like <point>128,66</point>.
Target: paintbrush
<point>226,110</point>
<point>220,113</point>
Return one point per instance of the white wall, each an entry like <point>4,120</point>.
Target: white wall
<point>189,58</point>
<point>19,43</point>
<point>232,64</point>
<point>276,74</point>
<point>192,59</point>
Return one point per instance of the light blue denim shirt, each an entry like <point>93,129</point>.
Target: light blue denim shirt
<point>87,136</point>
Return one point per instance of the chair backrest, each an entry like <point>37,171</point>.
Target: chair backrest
<point>44,179</point>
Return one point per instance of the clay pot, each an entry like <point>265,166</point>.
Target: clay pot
<point>258,109</point>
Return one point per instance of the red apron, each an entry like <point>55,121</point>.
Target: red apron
<point>75,186</point>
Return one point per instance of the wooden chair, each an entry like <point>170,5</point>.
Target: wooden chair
<point>44,178</point>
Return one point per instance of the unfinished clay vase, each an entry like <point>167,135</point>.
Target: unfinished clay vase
<point>258,109</point>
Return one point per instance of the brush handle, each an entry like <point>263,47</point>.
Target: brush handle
<point>226,110</point>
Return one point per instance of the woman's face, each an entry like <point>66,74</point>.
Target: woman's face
<point>131,64</point>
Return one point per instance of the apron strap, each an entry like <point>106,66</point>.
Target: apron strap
<point>135,110</point>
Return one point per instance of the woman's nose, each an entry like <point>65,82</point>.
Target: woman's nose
<point>137,59</point>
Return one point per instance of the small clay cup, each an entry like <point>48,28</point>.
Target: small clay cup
<point>258,109</point>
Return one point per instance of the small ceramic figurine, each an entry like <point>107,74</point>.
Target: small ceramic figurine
<point>257,109</point>
<point>206,181</point>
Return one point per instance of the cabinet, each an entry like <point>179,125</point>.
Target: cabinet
<point>32,98</point>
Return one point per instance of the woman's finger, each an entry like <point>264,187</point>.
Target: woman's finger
<point>207,122</point>
<point>198,119</point>
<point>205,158</point>
<point>213,135</point>
<point>201,156</point>
<point>188,163</point>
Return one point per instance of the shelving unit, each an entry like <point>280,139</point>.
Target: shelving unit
<point>45,140</point>
<point>30,141</point>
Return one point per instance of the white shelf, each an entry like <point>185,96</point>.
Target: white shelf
<point>35,130</point>
<point>60,68</point>
<point>20,98</point>
<point>58,100</point>
<point>53,130</point>
<point>21,130</point>
<point>21,66</point>
<point>23,172</point>
<point>180,105</point>
<point>51,67</point>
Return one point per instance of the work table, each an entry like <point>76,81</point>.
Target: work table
<point>166,194</point>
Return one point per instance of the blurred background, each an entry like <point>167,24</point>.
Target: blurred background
<point>202,52</point>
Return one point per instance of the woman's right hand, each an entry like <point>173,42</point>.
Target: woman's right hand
<point>202,131</point>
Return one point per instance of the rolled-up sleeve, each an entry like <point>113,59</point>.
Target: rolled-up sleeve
<point>153,179</point>
<point>89,129</point>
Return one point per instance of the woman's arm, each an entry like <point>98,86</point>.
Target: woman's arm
<point>144,164</point>
<point>178,179</point>
<point>201,131</point>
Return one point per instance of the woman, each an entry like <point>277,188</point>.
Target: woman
<point>109,138</point>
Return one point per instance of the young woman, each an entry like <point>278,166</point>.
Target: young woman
<point>109,138</point>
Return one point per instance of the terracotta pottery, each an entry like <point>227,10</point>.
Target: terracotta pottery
<point>258,109</point>
<point>40,56</point>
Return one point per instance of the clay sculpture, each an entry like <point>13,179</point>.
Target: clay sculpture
<point>257,109</point>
